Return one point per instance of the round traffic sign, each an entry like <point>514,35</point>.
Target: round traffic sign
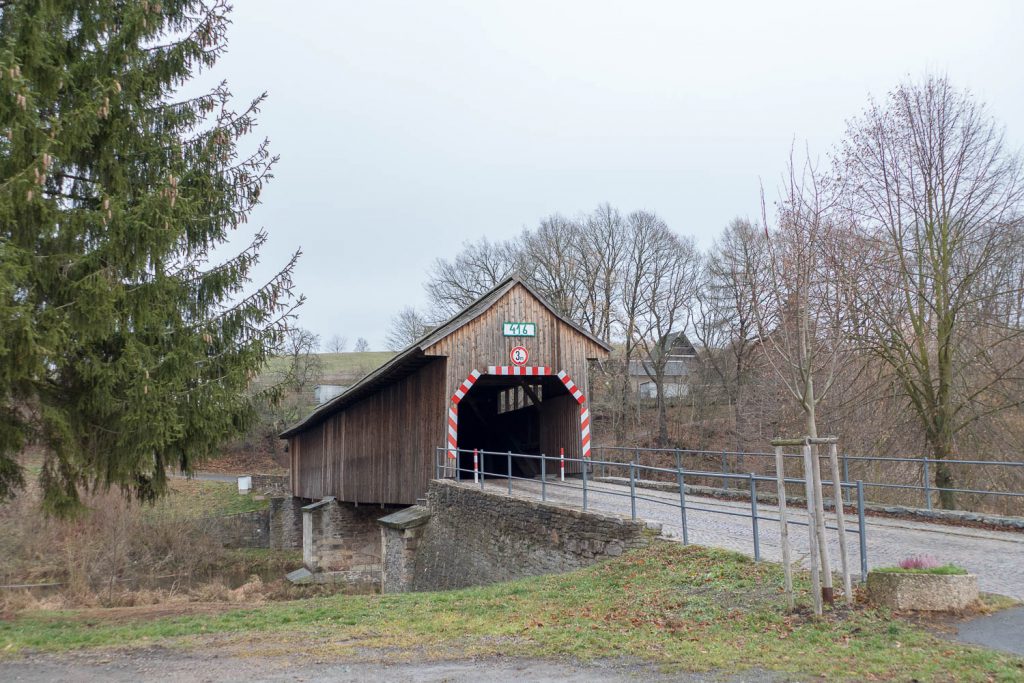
<point>519,355</point>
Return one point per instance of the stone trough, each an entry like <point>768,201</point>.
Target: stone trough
<point>924,592</point>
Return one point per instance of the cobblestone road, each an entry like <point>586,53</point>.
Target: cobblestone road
<point>997,557</point>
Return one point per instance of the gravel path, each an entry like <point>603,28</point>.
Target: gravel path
<point>179,666</point>
<point>997,557</point>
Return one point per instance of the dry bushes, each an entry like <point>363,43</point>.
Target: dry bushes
<point>113,554</point>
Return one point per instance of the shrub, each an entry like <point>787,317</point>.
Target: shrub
<point>919,562</point>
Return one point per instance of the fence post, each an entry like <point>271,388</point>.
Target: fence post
<point>476,466</point>
<point>482,472</point>
<point>632,489</point>
<point>437,465</point>
<point>682,505</point>
<point>753,516</point>
<point>846,477</point>
<point>561,464</point>
<point>510,473</point>
<point>543,477</point>
<point>725,470</point>
<point>862,532</point>
<point>927,485</point>
<point>584,485</point>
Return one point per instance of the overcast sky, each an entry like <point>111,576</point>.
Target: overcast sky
<point>407,128</point>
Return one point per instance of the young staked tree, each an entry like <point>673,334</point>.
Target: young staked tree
<point>939,204</point>
<point>123,350</point>
<point>800,317</point>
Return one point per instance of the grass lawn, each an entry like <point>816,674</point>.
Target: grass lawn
<point>685,608</point>
<point>339,364</point>
<point>192,498</point>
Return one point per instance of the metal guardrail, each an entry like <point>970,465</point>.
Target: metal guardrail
<point>926,488</point>
<point>448,467</point>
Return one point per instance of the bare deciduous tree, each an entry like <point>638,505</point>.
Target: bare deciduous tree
<point>601,252</point>
<point>734,283</point>
<point>337,344</point>
<point>667,296</point>
<point>938,201</point>
<point>453,285</point>
<point>362,346</point>
<point>551,260</point>
<point>407,326</point>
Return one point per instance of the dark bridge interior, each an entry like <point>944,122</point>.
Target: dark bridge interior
<point>519,414</point>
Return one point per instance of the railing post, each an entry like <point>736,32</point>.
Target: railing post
<point>476,466</point>
<point>543,478</point>
<point>682,505</point>
<point>927,485</point>
<point>584,485</point>
<point>437,465</point>
<point>509,473</point>
<point>862,532</point>
<point>482,460</point>
<point>725,470</point>
<point>846,477</point>
<point>632,489</point>
<point>561,464</point>
<point>753,516</point>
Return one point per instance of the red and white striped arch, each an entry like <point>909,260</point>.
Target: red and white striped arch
<point>522,371</point>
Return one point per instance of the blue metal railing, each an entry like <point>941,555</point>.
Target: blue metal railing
<point>448,467</point>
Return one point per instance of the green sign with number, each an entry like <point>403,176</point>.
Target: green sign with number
<point>519,329</point>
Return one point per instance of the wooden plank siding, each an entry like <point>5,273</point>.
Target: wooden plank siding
<point>379,449</point>
<point>560,428</point>
<point>479,343</point>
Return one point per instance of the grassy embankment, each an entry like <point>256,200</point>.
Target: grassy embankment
<point>684,608</point>
<point>342,368</point>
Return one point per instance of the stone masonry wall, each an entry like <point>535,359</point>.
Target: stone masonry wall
<point>344,539</point>
<point>286,522</point>
<point>271,484</point>
<point>243,530</point>
<point>476,537</point>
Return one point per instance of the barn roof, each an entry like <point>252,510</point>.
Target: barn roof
<point>411,358</point>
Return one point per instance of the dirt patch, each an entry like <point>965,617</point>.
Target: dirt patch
<point>244,462</point>
<point>163,664</point>
<point>123,615</point>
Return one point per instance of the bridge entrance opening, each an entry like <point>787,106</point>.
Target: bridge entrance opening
<point>521,415</point>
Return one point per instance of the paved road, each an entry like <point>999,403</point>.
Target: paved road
<point>997,557</point>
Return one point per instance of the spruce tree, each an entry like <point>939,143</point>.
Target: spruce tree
<point>125,348</point>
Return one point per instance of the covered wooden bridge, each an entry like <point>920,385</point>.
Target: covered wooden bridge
<point>507,373</point>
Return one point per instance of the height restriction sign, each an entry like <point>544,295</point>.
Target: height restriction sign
<point>519,355</point>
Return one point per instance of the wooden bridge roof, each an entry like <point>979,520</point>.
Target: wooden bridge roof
<point>411,358</point>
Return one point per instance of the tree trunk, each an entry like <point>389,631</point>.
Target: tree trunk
<point>662,414</point>
<point>944,476</point>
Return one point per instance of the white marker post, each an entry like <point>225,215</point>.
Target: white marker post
<point>476,468</point>
<point>561,463</point>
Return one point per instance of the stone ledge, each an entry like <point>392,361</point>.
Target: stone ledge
<point>319,504</point>
<point>406,519</point>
